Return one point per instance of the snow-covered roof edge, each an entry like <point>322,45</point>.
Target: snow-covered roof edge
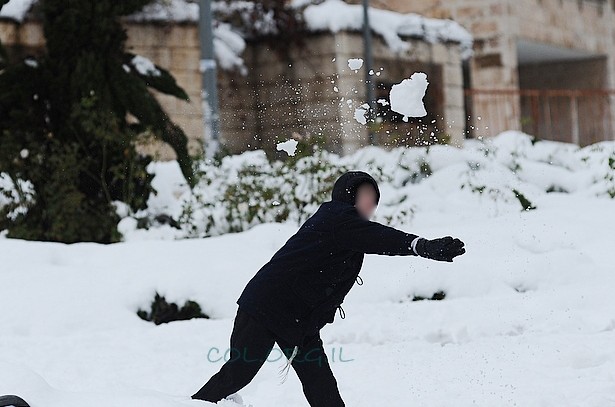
<point>162,10</point>
<point>330,15</point>
<point>336,15</point>
<point>228,44</point>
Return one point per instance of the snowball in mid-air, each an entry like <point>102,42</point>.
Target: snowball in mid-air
<point>355,63</point>
<point>359,115</point>
<point>290,146</point>
<point>407,97</point>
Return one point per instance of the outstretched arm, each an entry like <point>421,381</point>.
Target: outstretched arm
<point>358,234</point>
<point>361,235</point>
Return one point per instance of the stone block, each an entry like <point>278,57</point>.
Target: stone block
<point>31,34</point>
<point>453,75</point>
<point>8,32</point>
<point>185,59</point>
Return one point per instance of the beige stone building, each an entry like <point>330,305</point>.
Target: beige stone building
<point>542,66</point>
<point>304,88</point>
<point>309,89</point>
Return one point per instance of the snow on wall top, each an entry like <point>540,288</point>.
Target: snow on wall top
<point>173,10</point>
<point>335,15</point>
<point>228,44</point>
<point>331,15</point>
<point>16,9</point>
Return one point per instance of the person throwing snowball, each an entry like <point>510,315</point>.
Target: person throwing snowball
<point>301,288</point>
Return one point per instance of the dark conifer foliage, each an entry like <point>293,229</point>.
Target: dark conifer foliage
<point>70,122</point>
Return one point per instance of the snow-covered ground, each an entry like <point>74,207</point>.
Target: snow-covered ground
<point>528,318</point>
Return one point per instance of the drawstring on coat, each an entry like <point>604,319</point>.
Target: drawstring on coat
<point>359,281</point>
<point>284,370</point>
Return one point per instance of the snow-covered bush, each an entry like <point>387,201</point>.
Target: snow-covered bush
<point>162,312</point>
<point>510,172</point>
<point>248,189</point>
<point>15,196</point>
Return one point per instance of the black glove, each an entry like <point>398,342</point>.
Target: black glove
<point>442,249</point>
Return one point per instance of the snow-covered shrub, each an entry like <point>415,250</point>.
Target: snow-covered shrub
<point>163,312</point>
<point>248,189</point>
<point>611,177</point>
<point>437,296</point>
<point>509,172</point>
<point>608,179</point>
<point>15,196</point>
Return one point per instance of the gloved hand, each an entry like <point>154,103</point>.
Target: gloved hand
<point>442,249</point>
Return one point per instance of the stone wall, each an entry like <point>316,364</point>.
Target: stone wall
<point>583,25</point>
<point>174,47</point>
<point>287,90</point>
<point>306,88</point>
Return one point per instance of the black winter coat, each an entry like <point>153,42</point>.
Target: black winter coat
<point>299,290</point>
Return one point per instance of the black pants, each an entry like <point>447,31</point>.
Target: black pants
<point>251,344</point>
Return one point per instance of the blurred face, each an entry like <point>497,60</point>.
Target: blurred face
<point>365,201</point>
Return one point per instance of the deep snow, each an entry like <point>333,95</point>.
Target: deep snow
<point>528,318</point>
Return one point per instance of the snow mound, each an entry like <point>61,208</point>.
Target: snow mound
<point>18,380</point>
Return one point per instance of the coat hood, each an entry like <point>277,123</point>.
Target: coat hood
<point>345,188</point>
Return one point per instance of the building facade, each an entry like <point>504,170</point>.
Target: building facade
<point>302,89</point>
<point>542,66</point>
<point>308,89</point>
